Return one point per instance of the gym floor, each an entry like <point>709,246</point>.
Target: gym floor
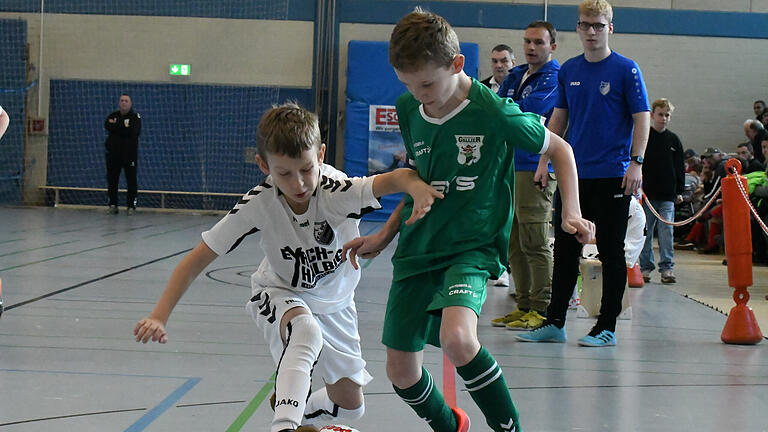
<point>75,282</point>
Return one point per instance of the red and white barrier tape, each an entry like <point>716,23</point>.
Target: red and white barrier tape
<point>745,195</point>
<point>713,196</point>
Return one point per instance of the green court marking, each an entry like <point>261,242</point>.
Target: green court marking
<point>253,405</point>
<point>38,248</point>
<point>10,241</point>
<point>367,263</point>
<point>60,256</point>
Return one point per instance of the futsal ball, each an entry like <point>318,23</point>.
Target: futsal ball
<point>338,428</point>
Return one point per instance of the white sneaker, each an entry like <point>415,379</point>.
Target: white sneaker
<point>503,280</point>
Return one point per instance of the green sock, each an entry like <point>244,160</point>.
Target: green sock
<point>483,378</point>
<point>424,398</point>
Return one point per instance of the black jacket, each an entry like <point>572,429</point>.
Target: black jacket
<point>123,139</point>
<point>663,171</point>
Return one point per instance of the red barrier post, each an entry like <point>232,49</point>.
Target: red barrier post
<point>449,382</point>
<point>741,326</point>
<point>635,277</point>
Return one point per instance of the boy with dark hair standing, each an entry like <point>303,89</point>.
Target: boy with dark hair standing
<point>603,104</point>
<point>459,136</point>
<point>302,291</point>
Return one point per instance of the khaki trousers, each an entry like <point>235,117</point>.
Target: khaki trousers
<point>530,257</point>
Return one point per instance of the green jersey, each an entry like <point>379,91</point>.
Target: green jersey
<point>468,156</point>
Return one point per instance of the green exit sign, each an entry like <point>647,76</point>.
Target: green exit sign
<point>180,69</point>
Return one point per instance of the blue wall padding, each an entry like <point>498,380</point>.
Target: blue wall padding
<point>372,81</point>
<point>13,84</point>
<point>193,137</point>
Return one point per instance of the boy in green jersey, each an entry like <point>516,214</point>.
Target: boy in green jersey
<point>459,136</point>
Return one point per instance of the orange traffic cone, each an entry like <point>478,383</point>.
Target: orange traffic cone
<point>635,277</point>
<point>741,326</point>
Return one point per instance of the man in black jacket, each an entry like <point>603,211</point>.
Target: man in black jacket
<point>502,60</point>
<point>124,127</point>
<point>755,131</point>
<point>663,184</point>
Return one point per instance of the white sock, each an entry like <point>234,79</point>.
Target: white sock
<point>293,382</point>
<point>321,408</point>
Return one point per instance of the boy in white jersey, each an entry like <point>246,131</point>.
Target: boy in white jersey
<point>302,291</point>
<point>460,136</point>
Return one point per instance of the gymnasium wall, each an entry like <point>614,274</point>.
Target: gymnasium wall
<point>707,56</point>
<point>12,81</point>
<point>90,57</point>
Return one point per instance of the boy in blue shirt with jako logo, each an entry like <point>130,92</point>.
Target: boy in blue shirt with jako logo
<point>603,103</point>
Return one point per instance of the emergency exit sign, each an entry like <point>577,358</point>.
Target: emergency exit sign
<point>180,69</point>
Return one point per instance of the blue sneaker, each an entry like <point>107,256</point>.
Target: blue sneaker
<point>545,333</point>
<point>603,339</point>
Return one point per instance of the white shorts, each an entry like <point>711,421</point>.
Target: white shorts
<point>340,356</point>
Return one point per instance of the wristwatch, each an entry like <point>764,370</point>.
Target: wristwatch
<point>637,159</point>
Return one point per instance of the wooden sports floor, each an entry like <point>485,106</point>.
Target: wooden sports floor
<point>75,282</point>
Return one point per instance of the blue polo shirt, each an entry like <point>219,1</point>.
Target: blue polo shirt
<point>600,98</point>
<point>537,94</point>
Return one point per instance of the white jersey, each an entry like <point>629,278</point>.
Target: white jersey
<point>303,252</point>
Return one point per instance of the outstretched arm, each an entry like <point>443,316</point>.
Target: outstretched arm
<point>408,181</point>
<point>567,181</point>
<point>153,326</point>
<point>371,245</point>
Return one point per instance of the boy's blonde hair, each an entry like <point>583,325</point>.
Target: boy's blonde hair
<point>596,8</point>
<point>662,103</point>
<point>287,129</point>
<point>421,38</point>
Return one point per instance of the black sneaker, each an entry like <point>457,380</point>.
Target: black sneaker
<point>112,210</point>
<point>684,245</point>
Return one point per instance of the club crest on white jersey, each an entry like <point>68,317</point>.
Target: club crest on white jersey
<point>469,148</point>
<point>323,233</point>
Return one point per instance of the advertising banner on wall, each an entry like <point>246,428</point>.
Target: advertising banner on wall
<point>385,144</point>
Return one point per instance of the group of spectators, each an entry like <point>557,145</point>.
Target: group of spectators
<point>677,183</point>
<point>609,174</point>
<point>703,174</point>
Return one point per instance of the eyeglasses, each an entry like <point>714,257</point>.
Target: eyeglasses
<point>598,26</point>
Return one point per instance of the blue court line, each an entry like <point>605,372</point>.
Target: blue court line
<point>160,408</point>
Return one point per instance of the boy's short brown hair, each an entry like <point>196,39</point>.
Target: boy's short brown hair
<point>596,8</point>
<point>662,103</point>
<point>420,38</point>
<point>287,129</point>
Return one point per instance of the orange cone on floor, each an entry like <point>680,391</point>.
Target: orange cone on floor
<point>635,277</point>
<point>741,326</point>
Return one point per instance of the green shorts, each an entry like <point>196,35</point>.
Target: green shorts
<point>415,304</point>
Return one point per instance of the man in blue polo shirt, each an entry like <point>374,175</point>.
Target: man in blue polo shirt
<point>534,87</point>
<point>604,104</point>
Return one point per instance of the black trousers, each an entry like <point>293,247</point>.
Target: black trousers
<point>114,166</point>
<point>604,203</point>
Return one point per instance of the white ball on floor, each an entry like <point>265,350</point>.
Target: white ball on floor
<point>338,428</point>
